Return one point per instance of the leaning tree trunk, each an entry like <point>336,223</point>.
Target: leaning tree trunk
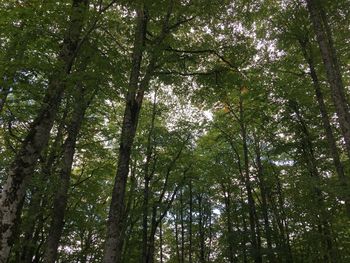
<point>61,195</point>
<point>25,160</point>
<point>331,63</point>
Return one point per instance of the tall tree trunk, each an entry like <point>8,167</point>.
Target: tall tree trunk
<point>311,162</point>
<point>182,228</point>
<point>190,223</point>
<point>308,56</point>
<point>134,98</point>
<point>147,177</point>
<point>38,201</point>
<point>201,229</point>
<point>161,242</point>
<point>281,219</point>
<point>227,199</point>
<point>245,230</point>
<point>256,250</point>
<point>25,160</point>
<point>331,63</point>
<point>264,203</point>
<point>177,241</point>
<point>65,167</point>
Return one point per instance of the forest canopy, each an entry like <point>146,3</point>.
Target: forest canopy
<point>174,131</point>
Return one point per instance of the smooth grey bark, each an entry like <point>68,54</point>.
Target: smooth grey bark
<point>81,103</point>
<point>25,160</point>
<point>331,64</point>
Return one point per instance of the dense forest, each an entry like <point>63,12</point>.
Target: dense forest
<point>173,131</point>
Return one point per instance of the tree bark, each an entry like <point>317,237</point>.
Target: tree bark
<point>311,162</point>
<point>134,98</point>
<point>147,178</point>
<point>227,201</point>
<point>25,160</point>
<point>308,56</point>
<point>61,196</point>
<point>264,203</point>
<point>256,250</point>
<point>39,198</point>
<point>190,260</point>
<point>331,64</point>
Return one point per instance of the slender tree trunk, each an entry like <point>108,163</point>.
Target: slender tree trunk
<point>201,230</point>
<point>161,241</point>
<point>326,125</point>
<point>190,223</point>
<point>25,160</point>
<point>281,219</point>
<point>61,196</point>
<point>147,177</point>
<point>182,228</point>
<point>256,253</point>
<point>177,237</point>
<point>39,198</point>
<point>245,231</point>
<point>227,198</point>
<point>151,241</point>
<point>134,98</point>
<point>264,204</point>
<point>330,61</point>
<point>322,224</point>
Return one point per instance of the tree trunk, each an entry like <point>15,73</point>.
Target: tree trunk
<point>134,98</point>
<point>330,61</point>
<point>147,177</point>
<point>25,160</point>
<point>61,196</point>
<point>256,250</point>
<point>326,125</point>
<point>161,242</point>
<point>39,198</point>
<point>190,223</point>
<point>311,162</point>
<point>227,199</point>
<point>182,228</point>
<point>201,229</point>
<point>264,204</point>
<point>177,237</point>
